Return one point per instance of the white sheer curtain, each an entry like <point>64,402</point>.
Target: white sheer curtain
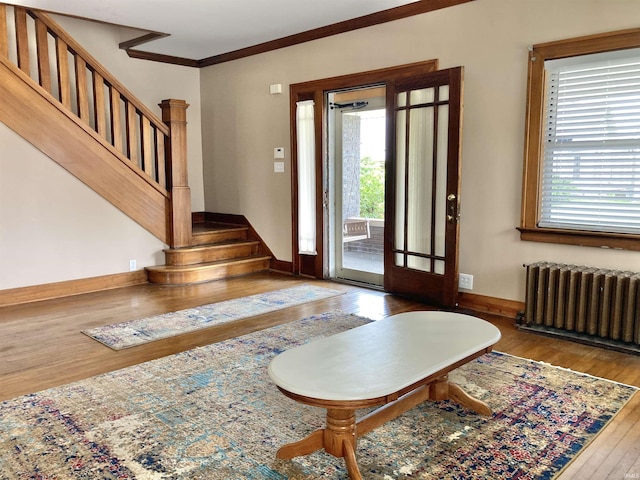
<point>417,186</point>
<point>306,178</point>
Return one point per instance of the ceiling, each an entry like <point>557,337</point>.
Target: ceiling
<point>199,29</point>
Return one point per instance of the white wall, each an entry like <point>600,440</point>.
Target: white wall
<point>52,227</point>
<point>242,122</point>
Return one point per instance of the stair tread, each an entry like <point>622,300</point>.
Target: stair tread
<point>205,246</point>
<point>210,227</point>
<point>208,236</point>
<point>205,265</point>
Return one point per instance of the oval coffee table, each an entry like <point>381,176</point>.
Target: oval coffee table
<point>398,362</point>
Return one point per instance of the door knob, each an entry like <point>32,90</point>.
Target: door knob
<point>451,216</point>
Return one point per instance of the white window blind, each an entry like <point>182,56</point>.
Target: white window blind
<point>306,148</point>
<point>591,168</point>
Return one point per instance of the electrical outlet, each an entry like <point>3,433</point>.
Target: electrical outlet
<point>465,281</point>
<point>132,265</point>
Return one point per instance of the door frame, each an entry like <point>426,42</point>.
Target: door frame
<point>313,265</point>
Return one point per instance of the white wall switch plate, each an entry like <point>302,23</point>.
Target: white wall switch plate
<point>278,167</point>
<point>278,152</point>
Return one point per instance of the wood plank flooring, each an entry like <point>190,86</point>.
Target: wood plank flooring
<point>41,346</point>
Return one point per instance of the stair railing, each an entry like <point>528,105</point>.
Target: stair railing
<point>42,50</point>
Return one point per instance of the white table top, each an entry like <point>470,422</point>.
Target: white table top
<point>382,357</point>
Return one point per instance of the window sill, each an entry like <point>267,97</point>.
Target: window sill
<point>588,239</point>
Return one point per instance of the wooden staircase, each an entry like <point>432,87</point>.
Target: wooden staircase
<point>59,98</point>
<point>218,250</point>
<point>74,111</point>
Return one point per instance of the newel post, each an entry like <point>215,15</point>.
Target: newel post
<point>174,114</point>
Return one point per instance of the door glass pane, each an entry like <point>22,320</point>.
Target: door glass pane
<point>443,94</point>
<point>424,95</point>
<point>419,263</point>
<point>440,197</point>
<point>400,179</point>
<point>402,99</point>
<point>420,180</point>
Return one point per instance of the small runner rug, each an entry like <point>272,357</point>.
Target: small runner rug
<point>212,413</point>
<point>137,332</point>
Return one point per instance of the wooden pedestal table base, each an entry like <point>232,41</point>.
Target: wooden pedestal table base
<point>398,363</point>
<point>339,438</point>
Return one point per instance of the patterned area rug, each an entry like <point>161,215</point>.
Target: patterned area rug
<point>212,413</point>
<point>143,330</point>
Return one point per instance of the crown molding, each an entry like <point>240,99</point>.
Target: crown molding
<point>416,8</point>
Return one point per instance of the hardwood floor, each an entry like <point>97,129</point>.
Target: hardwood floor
<point>41,346</point>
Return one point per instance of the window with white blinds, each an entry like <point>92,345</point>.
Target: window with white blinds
<point>590,176</point>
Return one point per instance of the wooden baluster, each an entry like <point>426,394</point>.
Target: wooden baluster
<point>116,121</point>
<point>132,137</point>
<point>174,114</point>
<point>99,105</point>
<point>4,39</point>
<point>22,39</point>
<point>160,159</point>
<point>81,88</point>
<point>145,140</point>
<point>63,73</point>
<point>42,44</point>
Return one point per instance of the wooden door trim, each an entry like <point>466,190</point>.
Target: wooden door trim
<point>316,90</point>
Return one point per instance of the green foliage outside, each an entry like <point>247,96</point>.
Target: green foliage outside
<point>371,188</point>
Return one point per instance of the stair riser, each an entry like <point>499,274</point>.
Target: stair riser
<point>210,254</point>
<point>214,272</point>
<point>219,236</point>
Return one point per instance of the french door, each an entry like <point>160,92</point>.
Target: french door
<point>423,186</point>
<point>422,183</point>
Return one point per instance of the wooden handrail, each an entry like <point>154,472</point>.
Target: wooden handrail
<point>74,78</point>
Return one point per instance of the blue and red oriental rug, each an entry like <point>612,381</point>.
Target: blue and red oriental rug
<point>212,413</point>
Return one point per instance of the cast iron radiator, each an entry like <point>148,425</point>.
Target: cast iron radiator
<point>584,303</point>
